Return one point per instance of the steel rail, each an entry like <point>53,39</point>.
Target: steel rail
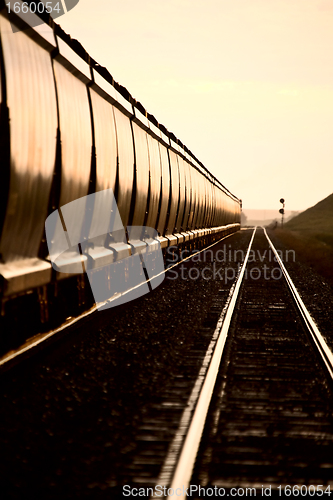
<point>28,348</point>
<point>180,476</point>
<point>190,445</point>
<point>316,336</point>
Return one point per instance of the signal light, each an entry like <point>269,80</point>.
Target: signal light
<point>281,211</point>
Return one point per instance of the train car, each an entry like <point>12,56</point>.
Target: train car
<point>68,131</point>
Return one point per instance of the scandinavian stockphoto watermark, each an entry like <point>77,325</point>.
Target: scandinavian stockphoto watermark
<point>193,490</point>
<point>197,491</point>
<point>28,11</point>
<point>225,264</point>
<point>87,236</point>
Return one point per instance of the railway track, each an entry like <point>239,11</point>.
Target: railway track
<point>84,417</point>
<point>262,417</point>
<point>42,340</point>
<point>109,408</point>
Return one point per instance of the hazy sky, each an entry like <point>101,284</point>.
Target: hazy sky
<point>247,85</point>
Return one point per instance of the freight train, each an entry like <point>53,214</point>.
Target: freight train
<point>68,130</point>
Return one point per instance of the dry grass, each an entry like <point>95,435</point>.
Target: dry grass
<point>314,250</point>
<point>315,220</point>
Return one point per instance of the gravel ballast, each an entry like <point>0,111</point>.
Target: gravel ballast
<point>83,419</point>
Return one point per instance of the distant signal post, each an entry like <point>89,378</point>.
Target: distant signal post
<point>282,211</point>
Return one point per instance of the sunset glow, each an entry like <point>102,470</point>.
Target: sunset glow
<point>247,85</point>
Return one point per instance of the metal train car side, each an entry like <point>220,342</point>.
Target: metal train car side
<point>67,132</point>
